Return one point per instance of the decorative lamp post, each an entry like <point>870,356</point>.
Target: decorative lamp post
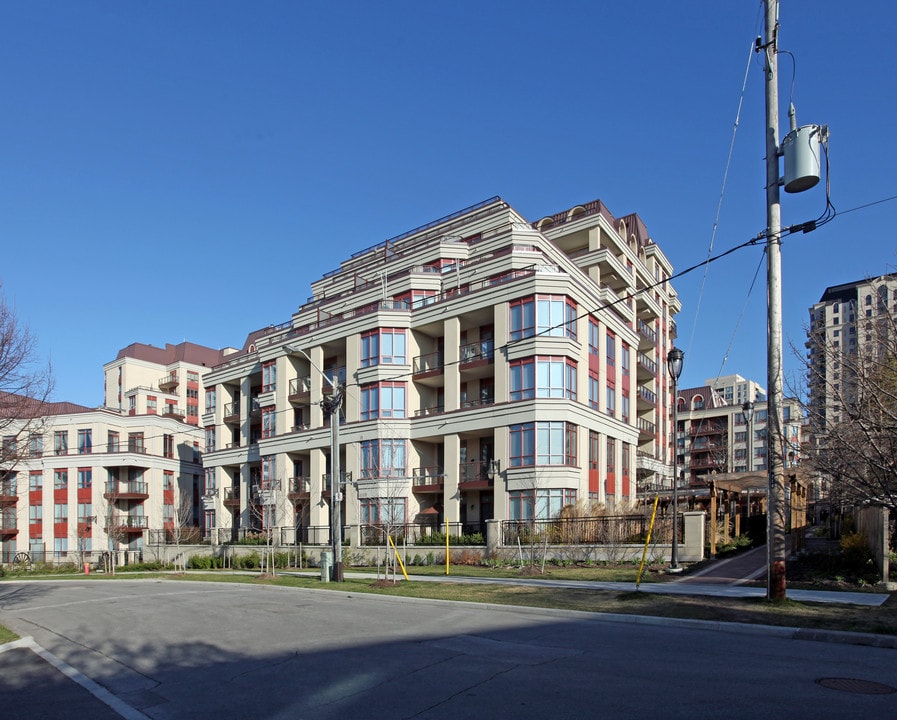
<point>747,411</point>
<point>674,365</point>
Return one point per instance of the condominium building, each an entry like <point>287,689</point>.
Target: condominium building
<point>846,318</point>
<point>146,380</point>
<point>490,367</point>
<point>80,481</point>
<point>715,436</point>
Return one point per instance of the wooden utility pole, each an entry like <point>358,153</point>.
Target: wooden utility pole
<point>775,536</point>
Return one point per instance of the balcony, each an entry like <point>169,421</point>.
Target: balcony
<point>168,382</point>
<point>232,496</point>
<point>8,494</point>
<point>8,524</point>
<point>646,428</point>
<point>300,390</point>
<point>174,412</point>
<point>646,364</point>
<point>434,410</point>
<point>478,354</point>
<point>429,365</point>
<point>299,488</point>
<point>475,475</point>
<point>647,332</point>
<point>428,479</point>
<point>705,428</point>
<point>126,523</point>
<point>126,491</point>
<point>646,396</point>
<point>232,412</point>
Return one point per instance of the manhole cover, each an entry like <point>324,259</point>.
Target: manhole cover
<point>862,687</point>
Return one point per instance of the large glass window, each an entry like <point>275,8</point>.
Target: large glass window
<point>539,504</point>
<point>543,443</point>
<point>385,400</point>
<point>382,458</point>
<point>552,315</point>
<point>60,479</point>
<point>548,377</point>
<point>85,478</point>
<point>386,346</point>
<point>383,511</point>
<point>268,422</point>
<point>269,376</point>
<point>61,442</point>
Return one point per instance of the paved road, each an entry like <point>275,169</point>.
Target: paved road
<point>167,650</point>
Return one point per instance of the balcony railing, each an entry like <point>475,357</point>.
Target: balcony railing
<point>432,476</point>
<point>646,426</point>
<point>474,352</point>
<point>173,411</point>
<point>431,362</point>
<point>127,523</point>
<point>8,492</point>
<point>647,363</point>
<point>133,489</point>
<point>8,523</point>
<point>299,487</point>
<point>476,473</point>
<point>232,495</point>
<point>232,412</point>
<point>300,387</point>
<point>434,410</point>
<point>647,332</point>
<point>647,395</point>
<point>168,382</point>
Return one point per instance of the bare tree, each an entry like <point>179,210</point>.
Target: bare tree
<point>852,411</point>
<point>177,521</point>
<point>25,387</point>
<point>267,506</point>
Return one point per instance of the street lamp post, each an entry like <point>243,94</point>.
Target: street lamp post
<point>674,365</point>
<point>747,411</point>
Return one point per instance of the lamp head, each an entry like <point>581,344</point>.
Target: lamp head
<point>674,362</point>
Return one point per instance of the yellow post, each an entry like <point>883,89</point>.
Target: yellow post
<point>641,567</point>
<point>396,550</point>
<point>446,547</point>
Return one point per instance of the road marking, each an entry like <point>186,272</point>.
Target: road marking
<point>94,688</point>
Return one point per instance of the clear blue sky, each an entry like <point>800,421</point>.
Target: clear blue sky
<point>183,170</point>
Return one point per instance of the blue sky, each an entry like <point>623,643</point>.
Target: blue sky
<point>184,170</point>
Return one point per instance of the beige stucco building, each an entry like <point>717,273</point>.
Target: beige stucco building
<point>491,368</point>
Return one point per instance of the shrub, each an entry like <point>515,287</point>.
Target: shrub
<point>855,552</point>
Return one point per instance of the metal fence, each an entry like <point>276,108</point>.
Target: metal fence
<point>614,530</point>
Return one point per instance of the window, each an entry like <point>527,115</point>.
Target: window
<point>624,359</point>
<point>85,513</point>
<point>539,504</point>
<point>60,513</point>
<point>211,399</point>
<point>543,443</point>
<point>192,376</point>
<point>61,442</point>
<point>60,479</point>
<point>167,480</point>
<point>210,439</point>
<point>112,441</point>
<point>385,399</point>
<point>594,389</point>
<point>611,349</point>
<point>152,405</point>
<point>211,481</point>
<point>269,420</point>
<point>85,478</point>
<point>135,442</point>
<point>594,335</point>
<point>386,346</point>
<point>544,377</point>
<point>35,481</point>
<point>611,456</point>
<point>61,546</point>
<point>624,413</point>
<point>611,407</point>
<point>9,446</point>
<point>35,514</point>
<point>551,315</point>
<point>383,511</point>
<point>269,376</point>
<point>36,445</point>
<point>168,445</point>
<point>382,458</point>
<point>269,471</point>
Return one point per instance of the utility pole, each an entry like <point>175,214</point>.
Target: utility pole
<point>775,529</point>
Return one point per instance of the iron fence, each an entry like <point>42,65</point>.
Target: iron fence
<point>612,530</point>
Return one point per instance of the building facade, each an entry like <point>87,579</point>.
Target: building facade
<point>714,436</point>
<point>85,481</point>
<point>491,368</point>
<point>846,318</point>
